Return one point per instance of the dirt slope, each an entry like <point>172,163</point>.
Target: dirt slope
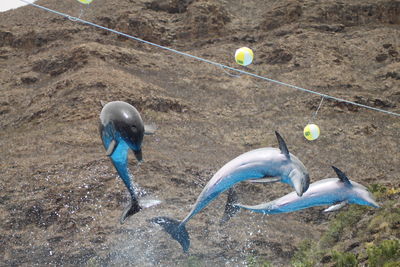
<point>60,198</point>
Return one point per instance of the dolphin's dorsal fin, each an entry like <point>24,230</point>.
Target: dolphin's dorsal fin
<point>341,176</point>
<point>335,207</point>
<point>103,103</point>
<point>282,145</point>
<point>111,148</point>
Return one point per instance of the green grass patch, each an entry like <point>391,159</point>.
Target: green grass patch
<point>343,221</point>
<point>344,259</point>
<point>386,254</point>
<point>307,255</point>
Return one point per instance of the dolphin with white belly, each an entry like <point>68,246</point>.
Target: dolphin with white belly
<point>121,128</point>
<point>338,192</point>
<point>265,163</point>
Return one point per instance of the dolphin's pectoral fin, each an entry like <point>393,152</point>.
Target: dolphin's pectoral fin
<point>230,208</point>
<point>265,180</point>
<point>282,145</point>
<point>336,207</point>
<point>138,155</point>
<point>111,148</point>
<point>176,229</point>
<point>149,129</point>
<point>132,209</point>
<point>342,176</point>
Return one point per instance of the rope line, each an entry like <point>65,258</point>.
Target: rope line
<point>211,62</point>
<point>316,112</point>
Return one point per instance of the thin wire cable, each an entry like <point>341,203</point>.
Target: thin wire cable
<point>319,107</point>
<point>211,62</point>
<point>316,112</point>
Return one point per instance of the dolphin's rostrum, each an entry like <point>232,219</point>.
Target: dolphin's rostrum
<point>338,192</point>
<point>121,129</point>
<point>264,163</point>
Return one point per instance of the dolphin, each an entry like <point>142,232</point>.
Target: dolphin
<point>263,163</point>
<point>121,128</point>
<point>338,192</point>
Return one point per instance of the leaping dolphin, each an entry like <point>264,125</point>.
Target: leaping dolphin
<point>338,192</point>
<point>121,128</point>
<point>264,163</point>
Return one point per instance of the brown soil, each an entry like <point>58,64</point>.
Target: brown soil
<point>60,197</point>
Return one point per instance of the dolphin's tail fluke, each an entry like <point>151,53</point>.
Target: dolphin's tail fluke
<point>132,209</point>
<point>176,229</point>
<point>230,208</point>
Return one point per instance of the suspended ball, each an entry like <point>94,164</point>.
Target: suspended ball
<point>311,132</point>
<point>86,2</point>
<point>244,56</point>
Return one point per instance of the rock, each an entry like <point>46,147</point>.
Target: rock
<point>381,57</point>
<point>29,78</point>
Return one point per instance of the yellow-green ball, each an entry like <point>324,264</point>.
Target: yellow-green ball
<point>311,132</point>
<point>244,56</point>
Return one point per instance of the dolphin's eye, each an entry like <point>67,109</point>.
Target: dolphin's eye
<point>133,127</point>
